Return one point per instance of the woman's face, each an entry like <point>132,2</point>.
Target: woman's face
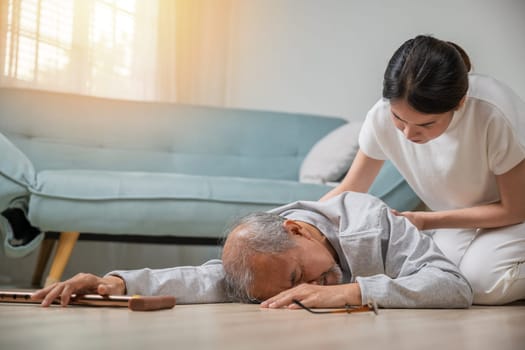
<point>416,126</point>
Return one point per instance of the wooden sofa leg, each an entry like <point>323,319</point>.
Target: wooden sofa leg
<point>65,246</point>
<point>43,257</point>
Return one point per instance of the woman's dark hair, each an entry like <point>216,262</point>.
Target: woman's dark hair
<point>430,74</point>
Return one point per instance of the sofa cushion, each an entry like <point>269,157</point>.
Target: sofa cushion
<point>331,157</point>
<point>173,204</point>
<point>154,203</point>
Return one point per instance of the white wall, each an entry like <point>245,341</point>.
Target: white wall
<point>328,56</point>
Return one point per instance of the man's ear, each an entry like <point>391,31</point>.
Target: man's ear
<point>295,228</point>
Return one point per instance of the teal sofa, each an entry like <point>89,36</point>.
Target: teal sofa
<point>124,170</point>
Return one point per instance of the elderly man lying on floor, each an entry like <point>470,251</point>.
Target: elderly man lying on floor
<point>349,250</point>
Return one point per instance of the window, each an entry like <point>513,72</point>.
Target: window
<point>39,38</point>
<point>79,45</point>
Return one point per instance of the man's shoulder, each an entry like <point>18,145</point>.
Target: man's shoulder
<point>356,209</point>
<point>360,199</point>
<point>362,212</point>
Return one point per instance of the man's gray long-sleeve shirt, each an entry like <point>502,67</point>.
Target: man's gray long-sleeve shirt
<point>395,264</point>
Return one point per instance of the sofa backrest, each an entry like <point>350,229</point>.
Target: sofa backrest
<point>67,131</point>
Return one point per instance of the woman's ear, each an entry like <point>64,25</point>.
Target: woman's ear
<point>461,102</point>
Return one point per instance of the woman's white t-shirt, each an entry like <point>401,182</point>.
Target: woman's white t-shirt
<point>486,137</point>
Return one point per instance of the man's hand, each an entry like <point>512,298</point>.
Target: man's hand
<point>316,296</point>
<point>82,283</point>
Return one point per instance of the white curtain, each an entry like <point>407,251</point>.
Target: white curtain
<point>168,50</point>
<point>199,59</point>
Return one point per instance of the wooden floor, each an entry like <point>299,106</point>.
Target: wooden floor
<point>237,326</point>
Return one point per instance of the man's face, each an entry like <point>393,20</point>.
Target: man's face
<point>309,262</point>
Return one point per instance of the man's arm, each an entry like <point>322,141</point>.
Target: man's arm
<point>417,274</point>
<point>189,284</point>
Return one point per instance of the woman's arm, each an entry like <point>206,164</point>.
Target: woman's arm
<point>508,211</point>
<point>360,176</point>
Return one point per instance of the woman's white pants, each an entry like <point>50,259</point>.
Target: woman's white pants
<point>491,259</point>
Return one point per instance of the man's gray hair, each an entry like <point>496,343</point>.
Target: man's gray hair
<point>262,233</point>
